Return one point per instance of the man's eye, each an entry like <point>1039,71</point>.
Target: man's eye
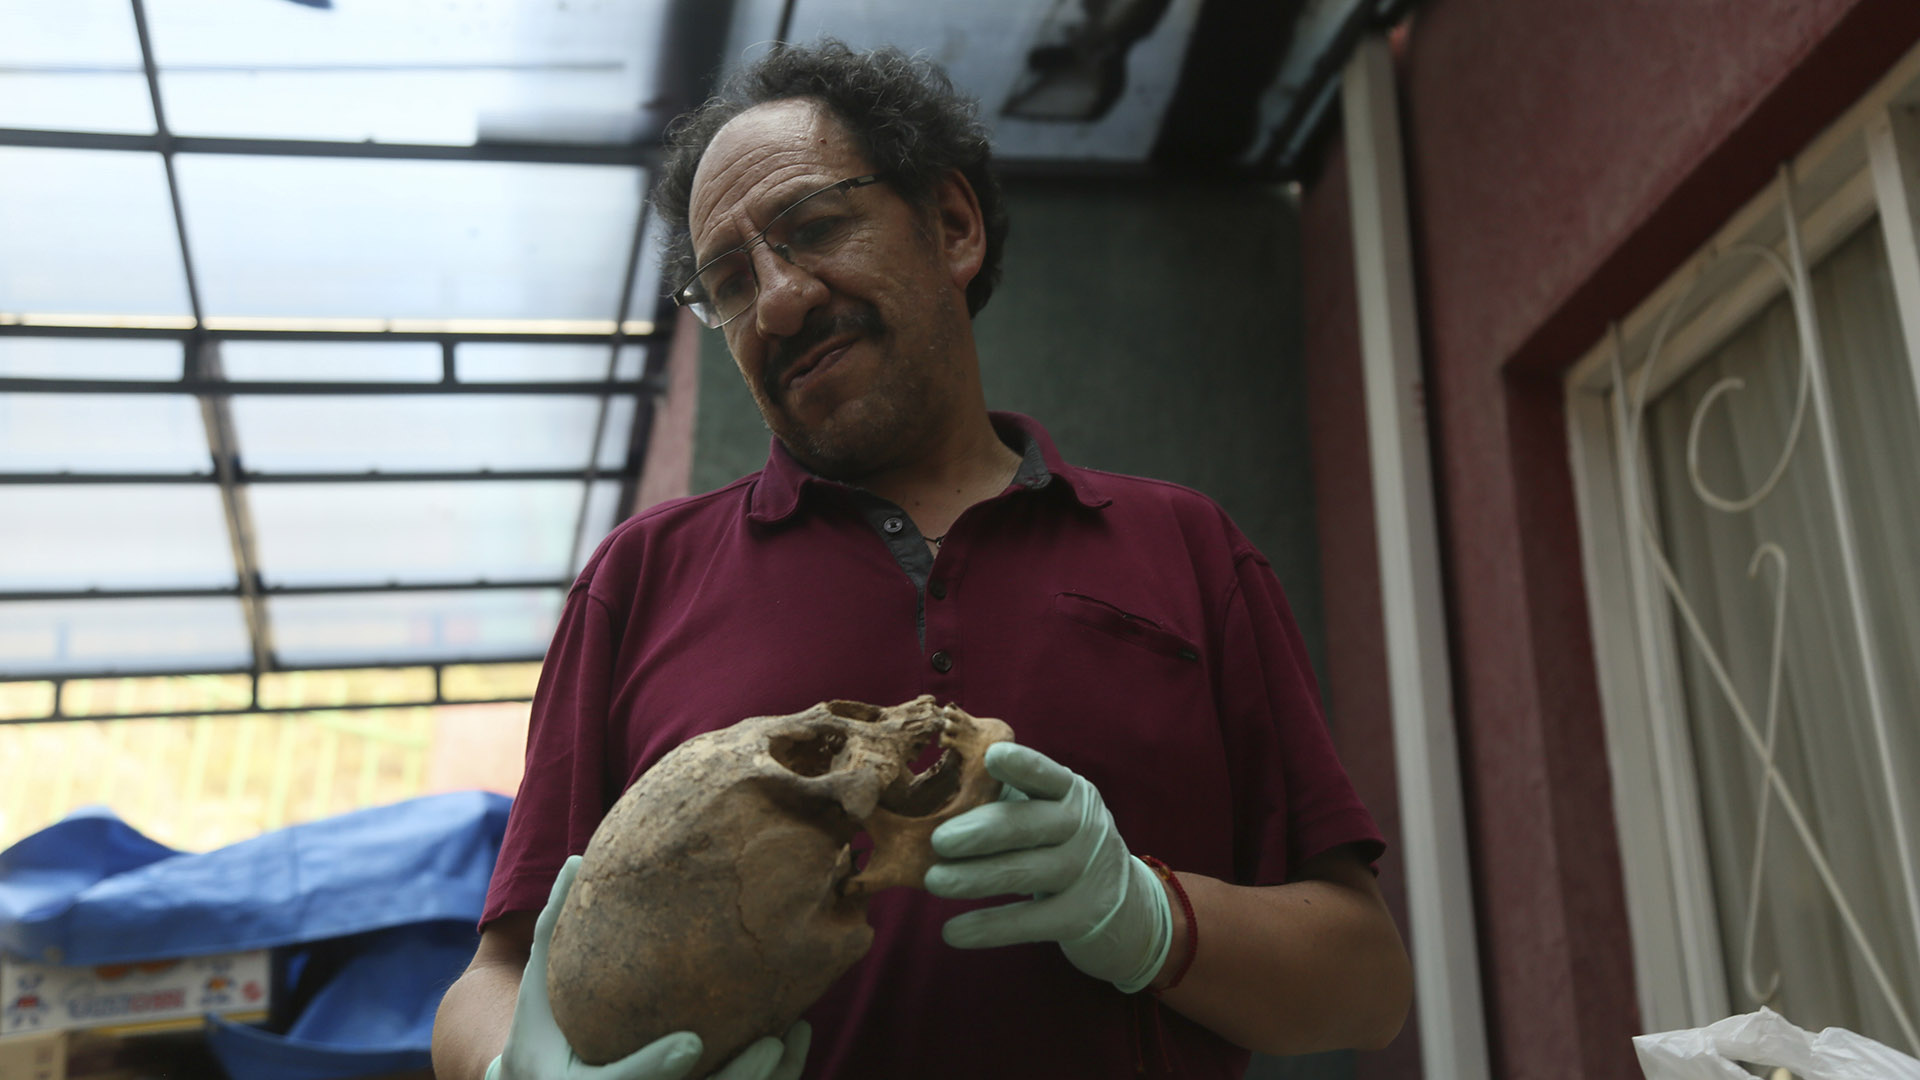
<point>820,232</point>
<point>728,282</point>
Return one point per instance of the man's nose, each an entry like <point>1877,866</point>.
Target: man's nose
<point>787,294</point>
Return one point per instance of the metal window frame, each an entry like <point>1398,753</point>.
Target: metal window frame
<point>1866,163</point>
<point>56,714</point>
<point>203,380</point>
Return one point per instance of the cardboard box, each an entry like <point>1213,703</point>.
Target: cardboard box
<point>34,1057</point>
<point>117,998</point>
<point>88,1055</point>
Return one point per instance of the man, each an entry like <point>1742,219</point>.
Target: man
<point>841,229</point>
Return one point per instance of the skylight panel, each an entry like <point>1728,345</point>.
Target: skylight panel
<point>390,239</point>
<point>73,65</point>
<point>118,433</point>
<point>408,433</point>
<point>616,435</point>
<point>409,71</point>
<point>126,636</point>
<point>335,534</point>
<point>87,231</point>
<point>113,536</point>
<point>328,361</point>
<point>502,361</point>
<point>650,286</point>
<point>422,627</point>
<point>603,507</point>
<point>25,357</point>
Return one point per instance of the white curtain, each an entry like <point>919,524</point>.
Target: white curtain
<point>1825,748</point>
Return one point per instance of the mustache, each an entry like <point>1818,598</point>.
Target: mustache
<point>820,325</point>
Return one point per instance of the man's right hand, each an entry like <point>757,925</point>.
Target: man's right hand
<point>536,1050</point>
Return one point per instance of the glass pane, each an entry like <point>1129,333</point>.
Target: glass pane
<point>87,231</point>
<point>113,536</point>
<point>491,624</point>
<point>601,505</point>
<point>407,239</point>
<point>408,70</point>
<point>649,300</point>
<point>198,784</point>
<point>1046,110</point>
<point>313,534</point>
<point>89,358</point>
<point>402,433</point>
<point>27,701</point>
<point>73,66</point>
<point>102,636</point>
<point>1736,566</point>
<point>330,361</point>
<point>479,682</point>
<point>499,361</point>
<point>617,433</point>
<point>331,689</point>
<point>185,694</point>
<point>134,433</point>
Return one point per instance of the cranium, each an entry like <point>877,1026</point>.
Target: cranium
<point>721,895</point>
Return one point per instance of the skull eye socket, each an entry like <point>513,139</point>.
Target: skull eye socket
<point>808,753</point>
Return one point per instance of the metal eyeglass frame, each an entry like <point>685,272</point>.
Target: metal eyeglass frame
<point>692,297</point>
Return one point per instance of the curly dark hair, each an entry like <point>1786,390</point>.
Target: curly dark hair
<point>902,112</point>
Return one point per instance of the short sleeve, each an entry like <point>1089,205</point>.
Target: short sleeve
<point>1293,799</point>
<point>563,793</point>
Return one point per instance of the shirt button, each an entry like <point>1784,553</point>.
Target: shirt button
<point>938,588</point>
<point>893,525</point>
<point>942,663</point>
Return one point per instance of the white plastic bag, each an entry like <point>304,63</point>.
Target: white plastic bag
<point>1765,1038</point>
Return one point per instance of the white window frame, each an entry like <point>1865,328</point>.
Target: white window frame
<point>1446,968</point>
<point>1866,163</point>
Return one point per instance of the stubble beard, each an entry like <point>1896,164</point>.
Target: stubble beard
<point>885,423</point>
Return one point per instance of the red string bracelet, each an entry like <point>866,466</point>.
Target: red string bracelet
<point>1165,873</point>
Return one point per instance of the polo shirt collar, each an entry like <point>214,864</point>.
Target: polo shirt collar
<point>776,494</point>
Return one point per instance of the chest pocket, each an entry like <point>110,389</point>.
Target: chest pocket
<point>1124,625</point>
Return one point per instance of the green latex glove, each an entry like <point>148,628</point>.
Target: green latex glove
<point>536,1050</point>
<point>1055,840</point>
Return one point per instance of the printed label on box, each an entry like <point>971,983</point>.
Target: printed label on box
<point>45,997</point>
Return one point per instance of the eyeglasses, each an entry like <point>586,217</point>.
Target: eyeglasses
<point>726,285</point>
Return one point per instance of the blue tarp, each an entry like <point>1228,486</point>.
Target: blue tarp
<point>91,890</point>
<point>42,875</point>
<point>372,1014</point>
<point>373,912</point>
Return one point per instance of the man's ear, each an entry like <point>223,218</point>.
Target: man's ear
<point>962,229</point>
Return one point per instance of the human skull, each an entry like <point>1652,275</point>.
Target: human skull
<point>720,895</point>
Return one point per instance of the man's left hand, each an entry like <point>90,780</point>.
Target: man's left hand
<point>1052,837</point>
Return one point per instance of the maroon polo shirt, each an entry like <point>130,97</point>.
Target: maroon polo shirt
<point>1123,626</point>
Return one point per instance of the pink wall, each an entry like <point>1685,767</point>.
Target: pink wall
<point>1563,157</point>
